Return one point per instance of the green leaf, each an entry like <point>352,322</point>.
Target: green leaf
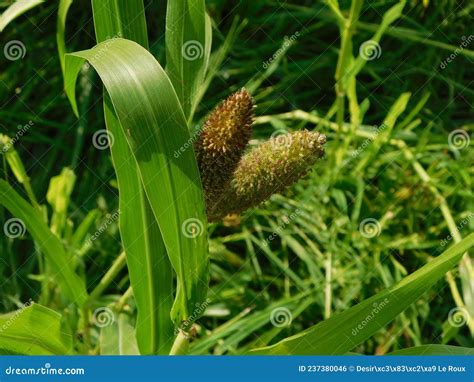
<point>63,10</point>
<point>394,13</point>
<point>118,338</point>
<point>384,131</point>
<point>151,117</point>
<point>148,265</point>
<point>120,18</point>
<point>62,266</point>
<point>34,330</point>
<point>58,196</point>
<point>434,350</point>
<point>188,46</point>
<point>344,331</point>
<point>17,9</point>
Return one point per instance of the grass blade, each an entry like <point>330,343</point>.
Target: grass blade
<point>15,10</point>
<point>63,10</point>
<point>434,350</point>
<point>148,265</point>
<point>62,266</point>
<point>188,48</point>
<point>120,18</point>
<point>33,330</point>
<point>149,113</point>
<point>340,333</point>
<point>118,338</point>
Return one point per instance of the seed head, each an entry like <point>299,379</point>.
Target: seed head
<point>269,169</point>
<point>222,142</point>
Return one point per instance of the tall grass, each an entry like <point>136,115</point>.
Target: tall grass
<point>299,248</point>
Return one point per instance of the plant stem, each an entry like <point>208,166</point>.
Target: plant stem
<point>181,344</point>
<point>327,289</point>
<point>110,275</point>
<point>123,300</point>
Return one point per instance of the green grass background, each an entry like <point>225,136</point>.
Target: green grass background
<point>319,263</point>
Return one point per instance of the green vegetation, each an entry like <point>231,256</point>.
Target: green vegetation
<point>127,139</point>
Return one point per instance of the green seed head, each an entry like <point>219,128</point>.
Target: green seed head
<point>269,169</point>
<point>222,142</point>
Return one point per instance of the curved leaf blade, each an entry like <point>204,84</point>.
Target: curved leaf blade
<point>188,45</point>
<point>434,350</point>
<point>150,270</point>
<point>15,10</point>
<point>151,117</point>
<point>34,330</point>
<point>62,266</point>
<point>341,333</point>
